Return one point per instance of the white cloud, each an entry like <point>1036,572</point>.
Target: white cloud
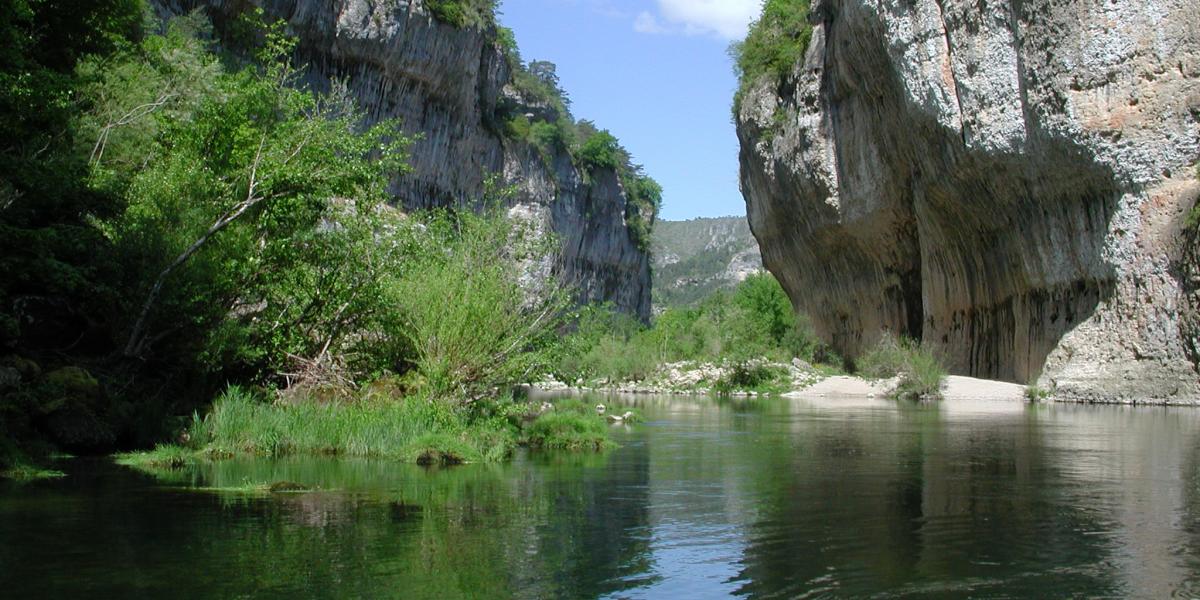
<point>648,23</point>
<point>727,19</point>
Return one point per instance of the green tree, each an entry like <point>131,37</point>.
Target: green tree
<point>233,189</point>
<point>601,151</point>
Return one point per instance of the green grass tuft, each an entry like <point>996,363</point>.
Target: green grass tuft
<point>921,374</point>
<point>1033,393</point>
<point>25,472</point>
<point>415,430</point>
<point>568,431</point>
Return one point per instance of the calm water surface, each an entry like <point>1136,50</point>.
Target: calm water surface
<point>769,498</point>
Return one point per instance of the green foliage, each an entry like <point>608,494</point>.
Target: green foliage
<point>920,373</point>
<point>542,118</point>
<point>410,429</point>
<point>163,456</point>
<point>601,151</point>
<point>643,202</point>
<point>476,14</point>
<point>46,248</point>
<point>1034,393</point>
<point>232,209</point>
<point>1192,222</point>
<point>570,431</point>
<point>201,220</point>
<point>774,45</point>
<point>755,321</point>
<point>415,429</point>
<point>752,376</point>
<point>494,332</point>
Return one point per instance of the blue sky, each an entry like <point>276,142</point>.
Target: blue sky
<point>657,74</point>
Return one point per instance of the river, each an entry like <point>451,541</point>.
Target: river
<point>765,498</point>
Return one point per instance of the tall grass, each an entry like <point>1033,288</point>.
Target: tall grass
<point>921,374</point>
<point>411,429</point>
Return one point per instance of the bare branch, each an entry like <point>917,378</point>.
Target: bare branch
<point>136,342</point>
<point>128,118</point>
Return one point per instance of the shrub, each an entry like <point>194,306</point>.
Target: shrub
<point>921,374</point>
<point>751,376</point>
<point>1033,393</point>
<point>463,13</point>
<point>601,151</point>
<point>773,46</point>
<point>493,332</point>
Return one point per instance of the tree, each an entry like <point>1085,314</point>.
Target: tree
<point>230,188</point>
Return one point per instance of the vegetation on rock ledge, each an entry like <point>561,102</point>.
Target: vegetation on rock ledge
<point>774,45</point>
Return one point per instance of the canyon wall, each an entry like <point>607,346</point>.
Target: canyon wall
<point>1008,181</point>
<point>451,86</point>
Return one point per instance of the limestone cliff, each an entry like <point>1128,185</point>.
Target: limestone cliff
<point>1008,181</point>
<point>449,85</point>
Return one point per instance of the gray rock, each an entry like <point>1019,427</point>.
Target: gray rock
<point>1007,181</point>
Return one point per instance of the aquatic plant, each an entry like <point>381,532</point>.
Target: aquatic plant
<point>567,431</point>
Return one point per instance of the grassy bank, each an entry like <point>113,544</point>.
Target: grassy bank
<point>415,429</point>
<point>28,472</point>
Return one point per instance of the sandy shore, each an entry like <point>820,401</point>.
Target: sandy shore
<point>955,388</point>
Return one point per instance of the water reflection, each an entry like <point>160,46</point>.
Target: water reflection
<point>758,498</point>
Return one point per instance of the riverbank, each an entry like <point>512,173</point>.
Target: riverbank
<point>795,380</point>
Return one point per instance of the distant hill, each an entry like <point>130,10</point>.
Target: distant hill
<point>692,259</point>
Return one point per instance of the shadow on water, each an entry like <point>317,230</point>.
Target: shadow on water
<point>757,498</point>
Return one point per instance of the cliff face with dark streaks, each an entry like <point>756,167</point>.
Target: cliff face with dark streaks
<point>450,85</point>
<point>1007,181</point>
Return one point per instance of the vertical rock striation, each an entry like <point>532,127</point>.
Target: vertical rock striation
<point>1007,181</point>
<point>449,85</point>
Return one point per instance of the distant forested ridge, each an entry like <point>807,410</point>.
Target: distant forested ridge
<point>694,258</point>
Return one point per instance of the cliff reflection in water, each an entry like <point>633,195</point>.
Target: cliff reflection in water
<point>757,498</point>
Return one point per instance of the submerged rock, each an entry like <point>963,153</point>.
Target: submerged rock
<point>1007,182</point>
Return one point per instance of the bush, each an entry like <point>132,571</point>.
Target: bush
<point>776,42</point>
<point>601,151</point>
<point>751,376</point>
<point>493,332</point>
<point>921,374</point>
<point>464,13</point>
<point>1034,393</point>
<point>561,430</point>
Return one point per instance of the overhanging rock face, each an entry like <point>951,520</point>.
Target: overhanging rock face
<point>1008,181</point>
<point>450,86</point>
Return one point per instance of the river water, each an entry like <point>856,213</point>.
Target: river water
<point>708,498</point>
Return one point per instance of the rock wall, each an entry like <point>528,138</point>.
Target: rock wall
<point>448,85</point>
<point>1007,181</point>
